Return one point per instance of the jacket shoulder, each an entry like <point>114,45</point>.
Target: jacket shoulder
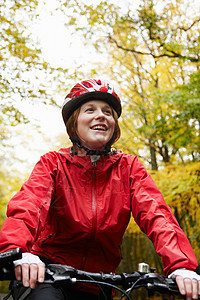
<point>55,155</point>
<point>49,161</point>
<point>129,158</point>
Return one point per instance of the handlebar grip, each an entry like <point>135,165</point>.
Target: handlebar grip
<point>10,256</point>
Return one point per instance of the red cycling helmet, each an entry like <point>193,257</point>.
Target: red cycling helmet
<point>90,90</point>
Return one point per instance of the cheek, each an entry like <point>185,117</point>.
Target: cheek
<point>83,125</point>
<point>80,121</point>
<point>112,125</point>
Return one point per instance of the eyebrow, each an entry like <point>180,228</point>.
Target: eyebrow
<point>93,104</point>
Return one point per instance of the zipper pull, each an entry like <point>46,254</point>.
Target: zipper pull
<point>94,164</point>
<point>94,159</point>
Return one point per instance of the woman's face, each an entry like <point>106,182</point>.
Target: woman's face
<point>95,124</point>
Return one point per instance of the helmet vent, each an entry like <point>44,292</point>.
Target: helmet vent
<point>90,90</point>
<point>87,86</point>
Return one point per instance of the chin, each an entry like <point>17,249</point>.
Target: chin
<point>99,147</point>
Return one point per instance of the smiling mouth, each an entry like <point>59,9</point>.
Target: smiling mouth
<point>99,127</point>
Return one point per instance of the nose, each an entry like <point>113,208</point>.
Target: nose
<point>100,114</point>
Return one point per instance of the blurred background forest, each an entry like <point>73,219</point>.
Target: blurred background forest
<point>149,50</point>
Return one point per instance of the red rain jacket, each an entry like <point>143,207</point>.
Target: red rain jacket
<point>75,213</point>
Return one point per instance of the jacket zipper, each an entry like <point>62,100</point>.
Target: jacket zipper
<point>94,213</point>
<point>94,202</point>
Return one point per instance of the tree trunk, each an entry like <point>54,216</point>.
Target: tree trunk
<point>154,165</point>
<point>166,157</point>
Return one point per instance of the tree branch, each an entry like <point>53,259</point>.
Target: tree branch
<point>172,55</point>
<point>188,28</point>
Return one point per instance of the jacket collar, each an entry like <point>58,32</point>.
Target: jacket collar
<point>103,163</point>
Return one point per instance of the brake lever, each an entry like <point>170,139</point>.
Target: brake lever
<point>56,273</point>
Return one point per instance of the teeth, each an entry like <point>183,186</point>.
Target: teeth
<point>99,127</point>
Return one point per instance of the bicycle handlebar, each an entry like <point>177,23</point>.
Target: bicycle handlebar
<point>151,281</point>
<point>56,273</point>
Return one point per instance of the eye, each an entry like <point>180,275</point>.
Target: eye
<point>108,112</point>
<point>89,109</point>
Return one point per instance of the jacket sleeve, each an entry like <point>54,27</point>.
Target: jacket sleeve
<point>29,207</point>
<point>156,219</point>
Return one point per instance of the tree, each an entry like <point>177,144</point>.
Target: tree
<point>180,188</point>
<point>183,122</point>
<point>20,58</point>
<point>149,50</point>
<point>25,75</point>
<point>9,184</point>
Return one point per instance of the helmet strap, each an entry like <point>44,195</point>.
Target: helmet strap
<point>106,151</point>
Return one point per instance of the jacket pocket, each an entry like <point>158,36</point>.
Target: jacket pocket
<point>46,239</point>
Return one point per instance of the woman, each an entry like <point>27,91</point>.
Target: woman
<point>76,204</point>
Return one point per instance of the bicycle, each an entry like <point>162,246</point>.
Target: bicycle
<point>124,282</point>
